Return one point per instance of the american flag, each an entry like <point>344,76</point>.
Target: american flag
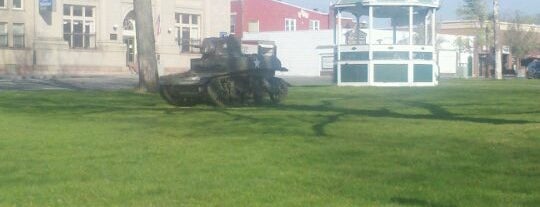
<point>158,25</point>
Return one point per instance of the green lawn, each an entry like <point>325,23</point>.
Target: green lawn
<point>464,143</point>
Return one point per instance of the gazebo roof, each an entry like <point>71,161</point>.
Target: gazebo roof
<point>425,3</point>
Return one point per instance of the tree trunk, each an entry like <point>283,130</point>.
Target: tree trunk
<point>146,46</point>
<point>518,65</point>
<point>489,62</point>
<point>484,68</point>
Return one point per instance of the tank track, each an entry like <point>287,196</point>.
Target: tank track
<point>246,90</point>
<point>174,96</point>
<point>227,91</point>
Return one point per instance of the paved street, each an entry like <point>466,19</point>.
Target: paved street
<point>71,83</point>
<point>27,84</point>
<point>307,81</point>
<point>113,82</point>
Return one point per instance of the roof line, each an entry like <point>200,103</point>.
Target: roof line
<point>303,8</point>
<point>475,21</point>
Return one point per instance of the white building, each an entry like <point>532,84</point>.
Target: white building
<point>311,53</point>
<point>75,37</point>
<point>300,51</point>
<point>455,55</point>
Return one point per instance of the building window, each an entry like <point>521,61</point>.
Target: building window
<point>314,25</point>
<point>18,35</point>
<point>79,26</point>
<point>253,26</point>
<point>2,3</point>
<point>129,22</point>
<point>327,64</point>
<point>17,4</point>
<point>3,34</point>
<point>233,24</point>
<point>290,24</point>
<point>188,32</point>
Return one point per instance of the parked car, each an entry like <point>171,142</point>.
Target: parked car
<point>533,69</point>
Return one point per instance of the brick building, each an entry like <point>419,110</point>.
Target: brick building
<point>276,16</point>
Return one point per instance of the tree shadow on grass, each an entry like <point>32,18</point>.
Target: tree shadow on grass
<point>320,128</point>
<point>437,113</point>
<point>417,202</point>
<point>326,112</point>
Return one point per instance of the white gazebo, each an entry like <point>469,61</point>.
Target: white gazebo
<point>399,49</point>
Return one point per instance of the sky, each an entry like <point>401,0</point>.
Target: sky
<point>448,8</point>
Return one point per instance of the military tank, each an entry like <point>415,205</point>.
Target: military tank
<point>224,76</point>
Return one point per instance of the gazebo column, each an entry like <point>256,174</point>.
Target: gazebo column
<point>410,71</point>
<point>426,27</point>
<point>370,29</point>
<point>394,32</point>
<point>338,45</point>
<point>411,25</point>
<point>371,66</point>
<point>434,44</point>
<point>336,55</point>
<point>433,27</point>
<point>357,29</point>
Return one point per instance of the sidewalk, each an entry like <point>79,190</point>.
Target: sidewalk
<point>308,81</point>
<point>70,83</point>
<point>115,82</point>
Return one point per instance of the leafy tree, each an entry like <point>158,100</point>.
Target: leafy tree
<point>520,37</point>
<point>473,10</point>
<point>476,10</point>
<point>509,16</point>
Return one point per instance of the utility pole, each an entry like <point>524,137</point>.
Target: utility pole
<point>146,46</point>
<point>496,33</point>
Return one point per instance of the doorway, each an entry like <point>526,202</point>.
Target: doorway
<point>129,39</point>
<point>130,53</point>
<point>184,35</point>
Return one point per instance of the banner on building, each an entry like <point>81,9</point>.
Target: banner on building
<point>45,5</point>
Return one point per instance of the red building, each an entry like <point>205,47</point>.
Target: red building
<point>274,15</point>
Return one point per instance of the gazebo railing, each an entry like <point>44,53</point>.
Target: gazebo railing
<point>385,52</point>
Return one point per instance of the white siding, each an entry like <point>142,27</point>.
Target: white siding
<point>297,50</point>
<point>448,61</point>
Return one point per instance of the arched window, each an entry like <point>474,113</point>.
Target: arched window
<point>129,21</point>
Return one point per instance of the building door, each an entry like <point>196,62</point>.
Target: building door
<point>130,53</point>
<point>448,62</point>
<point>184,35</point>
<point>129,38</point>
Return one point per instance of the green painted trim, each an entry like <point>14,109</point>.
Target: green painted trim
<point>391,55</point>
<point>423,73</point>
<point>389,73</point>
<point>352,56</point>
<point>354,73</point>
<point>422,55</point>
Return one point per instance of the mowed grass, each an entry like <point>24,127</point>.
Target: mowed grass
<point>464,143</point>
